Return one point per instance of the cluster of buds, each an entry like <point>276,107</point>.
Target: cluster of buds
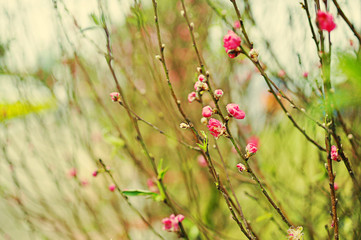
<point>201,84</point>
<point>295,233</point>
<point>199,87</point>
<point>171,224</point>
<point>216,127</point>
<point>334,153</point>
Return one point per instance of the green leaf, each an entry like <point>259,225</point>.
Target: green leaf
<point>162,173</point>
<point>94,18</point>
<point>133,193</point>
<point>115,141</point>
<point>264,217</point>
<point>160,165</point>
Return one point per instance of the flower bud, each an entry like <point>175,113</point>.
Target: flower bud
<point>204,121</point>
<point>192,96</point>
<point>218,94</point>
<point>241,167</point>
<point>334,153</point>
<point>234,111</point>
<point>207,111</point>
<point>115,96</point>
<point>184,126</point>
<point>202,78</point>
<point>251,149</point>
<point>112,187</point>
<point>253,54</point>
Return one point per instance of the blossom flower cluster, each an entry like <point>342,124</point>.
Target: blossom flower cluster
<point>334,153</point>
<point>171,224</point>
<point>325,21</point>
<point>295,233</point>
<point>232,43</point>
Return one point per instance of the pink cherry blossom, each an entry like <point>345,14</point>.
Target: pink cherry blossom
<point>305,74</point>
<point>325,21</point>
<point>234,111</point>
<point>192,96</point>
<point>237,24</point>
<point>251,148</point>
<point>334,153</point>
<point>201,78</point>
<point>232,42</point>
<point>112,187</point>
<point>167,224</point>
<point>254,140</point>
<point>207,111</point>
<point>172,223</point>
<point>95,173</point>
<point>241,167</point>
<point>115,96</point>
<point>216,127</point>
<point>218,93</point>
<point>198,86</point>
<point>335,186</point>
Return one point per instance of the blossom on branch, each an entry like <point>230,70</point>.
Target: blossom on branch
<point>325,21</point>
<point>216,127</point>
<point>234,111</point>
<point>232,43</point>
<point>171,224</point>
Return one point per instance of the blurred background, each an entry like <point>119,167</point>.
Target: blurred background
<point>57,119</point>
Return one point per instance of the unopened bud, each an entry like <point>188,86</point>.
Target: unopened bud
<point>241,167</point>
<point>204,121</point>
<point>191,25</point>
<point>184,126</point>
<point>182,13</point>
<point>158,57</point>
<point>253,54</point>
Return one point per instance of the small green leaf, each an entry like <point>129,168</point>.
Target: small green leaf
<point>115,141</point>
<point>94,18</point>
<point>160,165</point>
<point>162,173</point>
<point>133,193</point>
<point>264,217</point>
